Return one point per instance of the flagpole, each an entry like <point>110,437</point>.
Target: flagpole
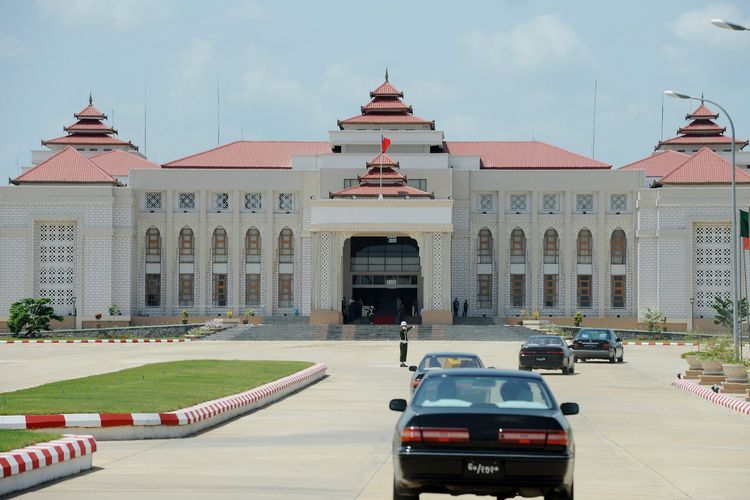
<point>380,192</point>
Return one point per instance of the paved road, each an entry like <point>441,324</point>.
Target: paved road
<point>637,436</point>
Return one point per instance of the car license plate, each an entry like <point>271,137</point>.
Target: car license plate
<point>541,358</point>
<point>483,469</point>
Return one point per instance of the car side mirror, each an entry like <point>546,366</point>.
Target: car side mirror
<point>619,339</point>
<point>566,408</point>
<point>400,404</point>
<point>413,368</point>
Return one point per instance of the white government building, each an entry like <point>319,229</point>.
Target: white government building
<point>302,228</point>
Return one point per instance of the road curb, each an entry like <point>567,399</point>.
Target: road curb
<point>95,341</point>
<point>707,393</point>
<point>179,423</point>
<point>27,467</point>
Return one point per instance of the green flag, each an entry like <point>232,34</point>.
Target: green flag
<point>744,224</point>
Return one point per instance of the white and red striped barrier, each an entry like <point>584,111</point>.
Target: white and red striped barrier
<point>95,341</point>
<point>707,393</point>
<point>112,426</point>
<point>32,465</point>
<point>660,343</point>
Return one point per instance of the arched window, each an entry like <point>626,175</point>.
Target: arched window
<point>551,247</point>
<point>187,273</point>
<point>153,267</point>
<point>219,247</point>
<point>286,246</point>
<point>617,247</point>
<point>517,246</point>
<point>252,245</point>
<point>187,247</point>
<point>484,248</point>
<point>583,246</point>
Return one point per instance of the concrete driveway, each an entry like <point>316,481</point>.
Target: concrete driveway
<point>637,436</point>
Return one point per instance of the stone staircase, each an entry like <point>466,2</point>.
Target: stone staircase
<point>297,328</point>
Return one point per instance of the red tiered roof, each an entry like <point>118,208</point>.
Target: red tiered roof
<point>526,155</point>
<point>251,154</point>
<point>382,179</point>
<point>386,108</point>
<point>67,166</point>
<point>705,167</point>
<point>701,130</point>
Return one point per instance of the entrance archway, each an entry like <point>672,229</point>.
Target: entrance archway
<point>384,272</point>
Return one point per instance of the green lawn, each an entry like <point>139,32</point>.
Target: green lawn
<point>12,439</point>
<point>159,387</point>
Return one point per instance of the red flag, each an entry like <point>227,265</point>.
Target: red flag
<point>384,143</point>
<point>746,243</point>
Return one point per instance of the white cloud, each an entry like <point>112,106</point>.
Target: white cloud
<point>542,42</point>
<point>122,13</point>
<point>267,79</point>
<point>695,26</point>
<point>194,65</point>
<point>246,10</point>
<point>11,48</point>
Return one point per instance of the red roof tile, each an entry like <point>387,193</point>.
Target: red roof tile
<point>382,104</point>
<point>702,111</point>
<point>705,167</point>
<point>372,118</point>
<point>382,159</point>
<point>251,154</point>
<point>705,127</point>
<point>387,173</point>
<point>88,139</point>
<point>89,126</point>
<point>388,191</point>
<point>91,112</point>
<point>703,139</point>
<point>118,163</point>
<point>522,155</point>
<point>658,164</point>
<point>67,166</point>
<point>386,89</point>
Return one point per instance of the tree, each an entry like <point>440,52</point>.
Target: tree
<point>652,319</point>
<point>29,316</point>
<point>725,310</point>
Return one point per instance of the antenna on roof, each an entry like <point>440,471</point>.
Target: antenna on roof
<point>91,99</point>
<point>593,129</point>
<point>218,110</point>
<point>386,73</point>
<point>145,108</point>
<point>661,134</point>
<point>113,117</point>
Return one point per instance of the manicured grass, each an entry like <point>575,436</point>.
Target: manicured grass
<point>158,387</point>
<point>11,439</point>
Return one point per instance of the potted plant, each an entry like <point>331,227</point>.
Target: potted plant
<point>98,317</point>
<point>185,316</point>
<point>251,317</point>
<point>717,350</point>
<point>230,313</point>
<point>114,310</point>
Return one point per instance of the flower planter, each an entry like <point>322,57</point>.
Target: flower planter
<point>255,320</point>
<point>693,362</point>
<point>711,367</point>
<point>735,373</point>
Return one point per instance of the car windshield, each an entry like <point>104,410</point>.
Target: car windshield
<point>544,341</point>
<point>593,335</point>
<point>482,390</point>
<point>449,361</point>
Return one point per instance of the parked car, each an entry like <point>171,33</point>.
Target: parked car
<point>436,360</point>
<point>547,352</point>
<point>483,432</point>
<point>598,343</point>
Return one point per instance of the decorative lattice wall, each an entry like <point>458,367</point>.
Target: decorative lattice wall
<point>713,266</point>
<point>57,265</point>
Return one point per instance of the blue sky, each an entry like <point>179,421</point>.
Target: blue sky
<point>483,70</point>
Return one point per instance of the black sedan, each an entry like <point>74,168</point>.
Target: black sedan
<point>598,343</point>
<point>437,360</point>
<point>484,432</point>
<point>547,352</point>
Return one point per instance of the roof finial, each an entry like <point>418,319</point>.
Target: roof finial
<point>701,97</point>
<point>386,73</point>
<point>91,99</point>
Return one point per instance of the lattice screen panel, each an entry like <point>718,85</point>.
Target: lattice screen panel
<point>57,265</point>
<point>713,266</point>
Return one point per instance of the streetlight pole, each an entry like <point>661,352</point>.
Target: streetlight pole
<point>735,247</point>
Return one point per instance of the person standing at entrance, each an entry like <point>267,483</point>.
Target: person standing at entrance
<point>404,344</point>
<point>466,308</point>
<point>455,307</point>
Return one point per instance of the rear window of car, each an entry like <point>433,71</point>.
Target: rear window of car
<point>544,341</point>
<point>594,335</point>
<point>448,361</point>
<point>482,390</point>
